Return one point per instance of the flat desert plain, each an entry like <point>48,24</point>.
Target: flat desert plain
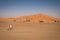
<point>30,31</point>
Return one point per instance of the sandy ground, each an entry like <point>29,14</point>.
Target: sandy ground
<point>30,31</point>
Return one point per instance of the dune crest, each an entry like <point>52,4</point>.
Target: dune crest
<point>37,18</point>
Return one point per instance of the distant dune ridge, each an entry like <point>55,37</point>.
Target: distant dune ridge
<point>32,18</point>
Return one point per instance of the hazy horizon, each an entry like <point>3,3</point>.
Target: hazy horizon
<point>17,8</point>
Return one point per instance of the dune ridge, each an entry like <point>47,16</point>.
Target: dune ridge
<point>32,18</point>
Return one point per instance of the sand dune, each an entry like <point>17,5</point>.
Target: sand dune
<point>32,18</point>
<point>7,19</point>
<point>30,31</point>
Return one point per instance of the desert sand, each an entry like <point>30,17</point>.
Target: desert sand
<point>30,31</point>
<point>32,18</point>
<point>40,27</point>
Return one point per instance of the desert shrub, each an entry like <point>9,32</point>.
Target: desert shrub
<point>27,20</point>
<point>55,21</point>
<point>41,21</point>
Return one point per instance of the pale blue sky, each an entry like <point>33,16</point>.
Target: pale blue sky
<point>17,8</point>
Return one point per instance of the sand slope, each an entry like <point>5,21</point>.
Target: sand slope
<point>32,18</point>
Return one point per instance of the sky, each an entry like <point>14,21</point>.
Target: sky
<point>17,8</point>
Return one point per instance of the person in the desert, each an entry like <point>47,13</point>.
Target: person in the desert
<point>10,27</point>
